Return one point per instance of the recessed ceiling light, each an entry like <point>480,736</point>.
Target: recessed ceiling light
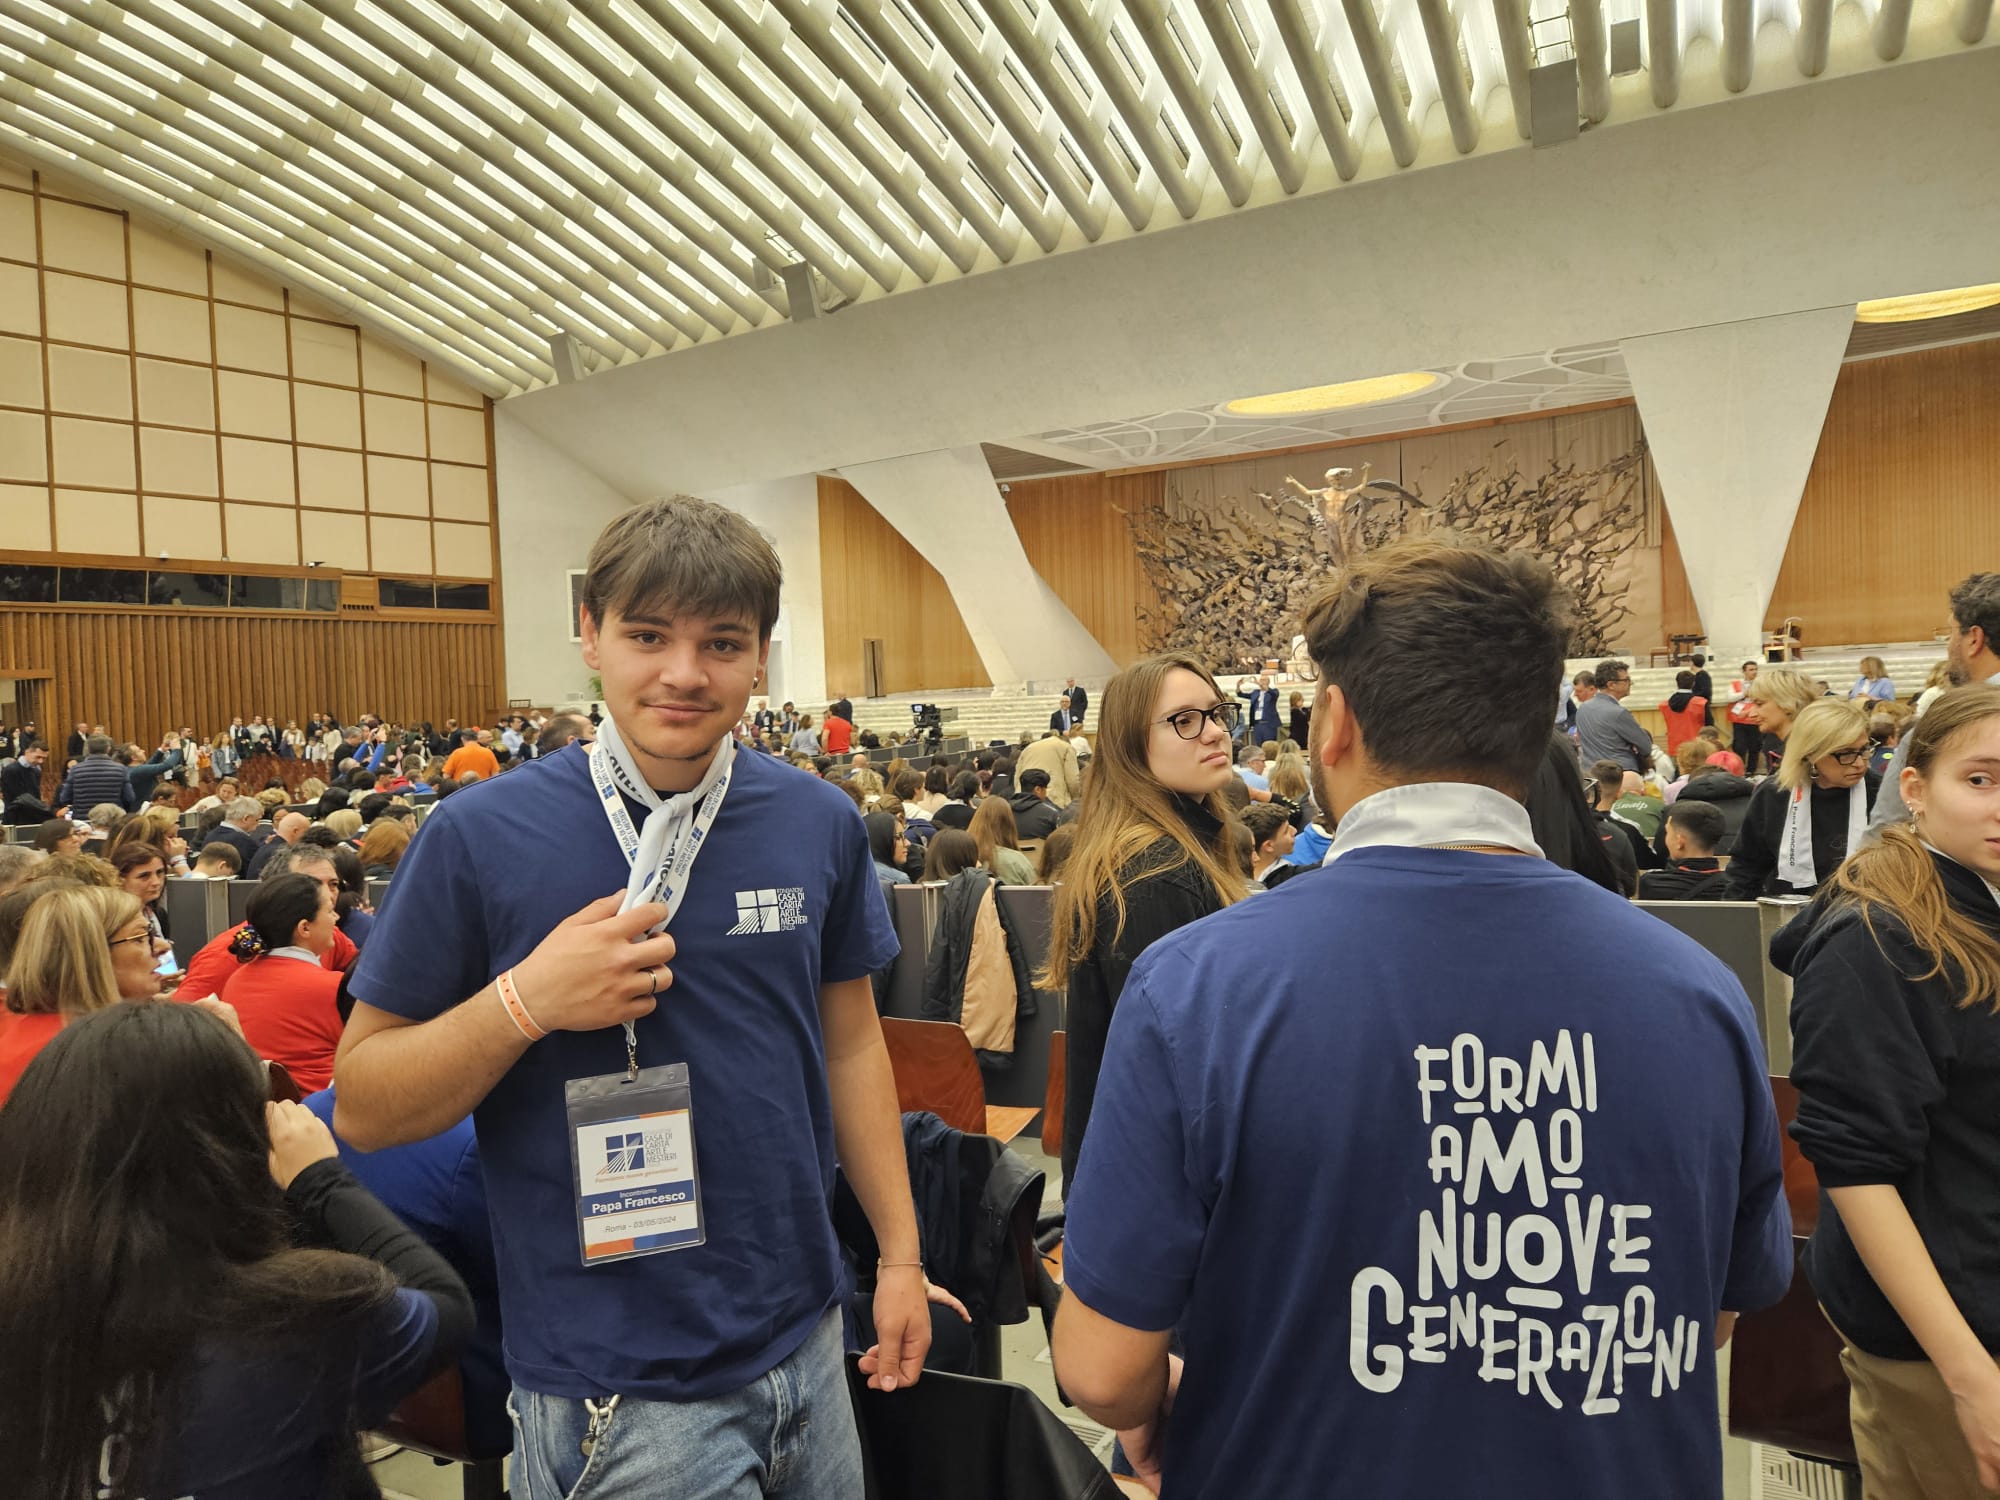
<point>1924,305</point>
<point>1317,398</point>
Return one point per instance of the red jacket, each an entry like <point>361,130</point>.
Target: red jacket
<point>1685,725</point>
<point>21,1038</point>
<point>289,1016</point>
<point>214,966</point>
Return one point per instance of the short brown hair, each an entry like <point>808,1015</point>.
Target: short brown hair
<point>1445,652</point>
<point>688,555</point>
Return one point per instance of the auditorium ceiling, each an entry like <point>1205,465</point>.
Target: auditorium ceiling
<point>531,190</point>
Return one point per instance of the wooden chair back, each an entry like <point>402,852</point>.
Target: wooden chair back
<point>1786,1386</point>
<point>1052,1102</point>
<point>936,1070</point>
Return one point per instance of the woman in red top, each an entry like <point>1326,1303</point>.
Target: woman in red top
<point>289,1006</point>
<point>82,948</point>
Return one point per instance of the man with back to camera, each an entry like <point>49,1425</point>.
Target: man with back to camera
<point>1530,1211</point>
<point>1605,728</point>
<point>1691,831</point>
<point>757,1054</point>
<point>1971,656</point>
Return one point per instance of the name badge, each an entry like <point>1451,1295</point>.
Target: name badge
<point>632,1164</point>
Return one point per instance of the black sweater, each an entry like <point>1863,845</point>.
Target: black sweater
<point>1899,1085</point>
<point>1753,863</point>
<point>1158,900</point>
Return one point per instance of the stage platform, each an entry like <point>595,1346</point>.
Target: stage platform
<point>987,714</point>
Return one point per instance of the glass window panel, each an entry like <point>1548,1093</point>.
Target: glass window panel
<point>21,583</point>
<point>323,596</point>
<point>188,590</point>
<point>464,596</point>
<point>247,591</point>
<point>101,586</point>
<point>399,593</point>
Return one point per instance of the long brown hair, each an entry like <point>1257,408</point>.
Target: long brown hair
<point>1896,877</point>
<point>993,828</point>
<point>1127,811</point>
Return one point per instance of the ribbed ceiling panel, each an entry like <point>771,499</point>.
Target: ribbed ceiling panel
<point>492,178</point>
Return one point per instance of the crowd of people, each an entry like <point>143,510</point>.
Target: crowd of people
<point>598,1097</point>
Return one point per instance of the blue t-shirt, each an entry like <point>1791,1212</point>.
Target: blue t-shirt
<point>501,864</point>
<point>1428,1223</point>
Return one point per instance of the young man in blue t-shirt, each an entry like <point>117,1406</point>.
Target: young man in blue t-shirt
<point>500,974</point>
<point>1425,1223</point>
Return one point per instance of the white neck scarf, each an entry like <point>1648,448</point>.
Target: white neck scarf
<point>1797,866</point>
<point>1432,814</point>
<point>662,853</point>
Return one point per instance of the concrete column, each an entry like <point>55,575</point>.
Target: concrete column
<point>1733,414</point>
<point>946,505</point>
<point>787,511</point>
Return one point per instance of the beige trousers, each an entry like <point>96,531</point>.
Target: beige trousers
<point>1906,1431</point>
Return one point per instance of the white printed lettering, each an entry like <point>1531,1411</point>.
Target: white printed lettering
<point>1390,1375</point>
<point>1623,1244</point>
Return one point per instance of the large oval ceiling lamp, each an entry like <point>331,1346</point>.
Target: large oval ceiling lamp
<point>1318,398</point>
<point>1925,305</point>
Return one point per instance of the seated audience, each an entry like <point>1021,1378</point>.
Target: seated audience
<point>1269,825</point>
<point>1607,785</point>
<point>160,829</point>
<point>1809,817</point>
<point>937,788</point>
<point>215,965</point>
<point>165,1338</point>
<point>61,836</point>
<point>18,863</point>
<point>289,1004</point>
<point>1425,945</point>
<point>345,822</point>
<point>226,791</point>
<point>353,912</point>
<point>906,787</point>
<point>470,756</point>
<point>957,810</point>
<point>238,827</point>
<point>79,949</point>
<point>949,853</point>
<point>999,844</point>
<point>382,847</point>
<point>21,799</point>
<point>1637,805</point>
<point>1033,814</point>
<point>1056,758</point>
<point>1874,685</point>
<point>1721,784</point>
<point>217,862</point>
<point>1885,732</point>
<point>1055,854</point>
<point>889,849</point>
<point>1569,832</point>
<point>142,874</point>
<point>1250,765</point>
<point>1691,832</point>
<point>1896,1056</point>
<point>287,829</point>
<point>106,820</point>
<point>1692,755</point>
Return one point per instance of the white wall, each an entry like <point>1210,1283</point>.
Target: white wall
<point>787,511</point>
<point>551,509</point>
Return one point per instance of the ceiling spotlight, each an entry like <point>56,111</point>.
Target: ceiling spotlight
<point>1318,398</point>
<point>1923,305</point>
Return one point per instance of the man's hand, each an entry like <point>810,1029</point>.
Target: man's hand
<point>1978,1403</point>
<point>598,968</point>
<point>902,1329</point>
<point>1142,1445</point>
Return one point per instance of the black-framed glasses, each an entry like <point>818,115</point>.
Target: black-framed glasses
<point>1849,757</point>
<point>1188,722</point>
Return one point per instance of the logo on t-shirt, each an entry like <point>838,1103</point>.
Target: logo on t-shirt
<point>770,910</point>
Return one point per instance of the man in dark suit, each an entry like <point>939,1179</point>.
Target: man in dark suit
<point>765,719</point>
<point>238,828</point>
<point>842,707</point>
<point>1079,701</point>
<point>21,786</point>
<point>1263,715</point>
<point>1061,720</point>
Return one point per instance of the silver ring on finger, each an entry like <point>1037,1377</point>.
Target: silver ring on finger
<point>654,975</point>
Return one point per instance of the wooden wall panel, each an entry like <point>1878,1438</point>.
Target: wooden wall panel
<point>143,673</point>
<point>876,586</point>
<point>1900,502</point>
<point>1075,534</point>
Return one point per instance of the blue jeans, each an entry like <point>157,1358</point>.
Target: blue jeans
<point>787,1436</point>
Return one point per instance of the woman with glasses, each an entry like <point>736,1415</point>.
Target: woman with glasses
<point>1805,820</point>
<point>1152,852</point>
<point>81,949</point>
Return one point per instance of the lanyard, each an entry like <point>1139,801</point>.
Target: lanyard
<point>661,853</point>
